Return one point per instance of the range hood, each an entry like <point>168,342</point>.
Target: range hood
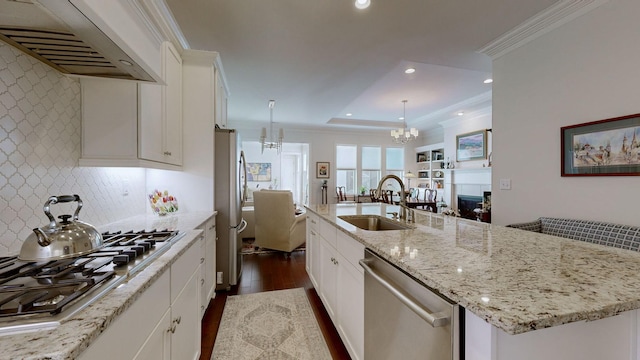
<point>58,34</point>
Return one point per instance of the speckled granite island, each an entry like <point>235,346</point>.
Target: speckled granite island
<point>75,334</point>
<point>512,282</point>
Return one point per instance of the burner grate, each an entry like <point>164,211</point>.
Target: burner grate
<point>45,288</point>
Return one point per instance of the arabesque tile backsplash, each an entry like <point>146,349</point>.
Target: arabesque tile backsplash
<point>40,144</point>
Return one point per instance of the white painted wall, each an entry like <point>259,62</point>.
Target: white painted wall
<point>583,71</point>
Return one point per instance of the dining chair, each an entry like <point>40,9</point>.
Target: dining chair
<point>372,194</point>
<point>341,193</point>
<point>387,196</point>
<point>430,196</point>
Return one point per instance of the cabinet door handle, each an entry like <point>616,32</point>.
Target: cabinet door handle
<point>168,153</point>
<point>201,260</point>
<point>201,281</point>
<point>172,329</point>
<point>177,320</point>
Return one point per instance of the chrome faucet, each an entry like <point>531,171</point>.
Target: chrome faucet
<point>404,214</point>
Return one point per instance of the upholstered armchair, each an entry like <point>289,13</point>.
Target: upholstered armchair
<point>276,225</point>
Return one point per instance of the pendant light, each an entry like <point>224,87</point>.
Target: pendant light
<point>403,134</point>
<point>273,144</point>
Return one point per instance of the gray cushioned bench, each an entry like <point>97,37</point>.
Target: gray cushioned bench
<point>597,232</point>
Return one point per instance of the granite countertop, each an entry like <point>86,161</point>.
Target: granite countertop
<point>76,333</point>
<point>516,280</point>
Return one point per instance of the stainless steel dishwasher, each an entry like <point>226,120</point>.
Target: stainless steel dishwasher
<point>404,319</point>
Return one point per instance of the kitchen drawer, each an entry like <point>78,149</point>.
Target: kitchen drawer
<point>328,232</point>
<point>131,329</point>
<point>351,250</point>
<point>182,269</point>
<point>313,221</point>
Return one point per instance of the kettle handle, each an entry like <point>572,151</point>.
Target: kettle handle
<point>61,199</point>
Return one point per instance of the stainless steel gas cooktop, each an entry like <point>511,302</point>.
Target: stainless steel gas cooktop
<point>36,295</point>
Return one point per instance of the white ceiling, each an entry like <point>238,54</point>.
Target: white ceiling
<point>322,59</point>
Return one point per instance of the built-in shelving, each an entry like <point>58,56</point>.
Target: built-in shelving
<point>430,164</point>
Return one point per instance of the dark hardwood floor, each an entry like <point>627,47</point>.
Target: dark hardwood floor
<point>267,272</point>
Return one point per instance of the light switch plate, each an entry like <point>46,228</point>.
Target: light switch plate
<point>505,184</point>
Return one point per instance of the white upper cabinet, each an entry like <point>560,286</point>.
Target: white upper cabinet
<point>129,124</point>
<point>220,101</point>
<point>160,113</point>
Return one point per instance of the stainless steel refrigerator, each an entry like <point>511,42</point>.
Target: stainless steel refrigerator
<point>230,184</point>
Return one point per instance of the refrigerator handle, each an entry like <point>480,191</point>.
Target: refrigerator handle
<point>243,225</point>
<point>243,179</point>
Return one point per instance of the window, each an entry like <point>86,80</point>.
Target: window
<point>346,164</point>
<point>395,166</point>
<point>371,166</point>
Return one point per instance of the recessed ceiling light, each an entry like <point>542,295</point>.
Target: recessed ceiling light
<point>460,113</point>
<point>363,4</point>
<point>488,81</point>
<point>410,70</point>
<point>349,114</point>
<point>128,63</point>
<point>401,118</point>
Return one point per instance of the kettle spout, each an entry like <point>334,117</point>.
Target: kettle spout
<point>43,239</point>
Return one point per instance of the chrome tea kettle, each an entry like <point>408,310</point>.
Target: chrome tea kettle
<point>67,238</point>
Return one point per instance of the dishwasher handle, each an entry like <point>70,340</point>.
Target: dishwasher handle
<point>434,319</point>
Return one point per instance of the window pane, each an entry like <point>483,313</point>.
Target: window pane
<point>346,156</point>
<point>346,178</point>
<point>370,178</point>
<point>392,184</point>
<point>371,157</point>
<point>395,159</point>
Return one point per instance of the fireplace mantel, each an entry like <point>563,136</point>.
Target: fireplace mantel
<point>466,181</point>
<point>463,176</point>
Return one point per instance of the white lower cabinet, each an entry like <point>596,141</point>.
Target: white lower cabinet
<point>339,281</point>
<point>185,321</point>
<point>158,345</point>
<point>614,337</point>
<point>328,276</point>
<point>163,323</point>
<point>313,249</point>
<point>208,263</point>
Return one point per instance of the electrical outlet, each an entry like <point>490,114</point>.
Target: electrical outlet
<point>219,278</point>
<point>505,184</point>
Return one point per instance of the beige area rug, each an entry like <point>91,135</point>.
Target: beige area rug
<point>269,325</point>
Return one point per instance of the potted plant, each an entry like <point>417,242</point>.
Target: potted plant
<point>363,189</point>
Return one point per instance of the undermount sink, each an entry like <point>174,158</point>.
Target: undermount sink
<point>374,222</point>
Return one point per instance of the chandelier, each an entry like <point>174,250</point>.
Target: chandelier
<point>273,144</point>
<point>403,135</point>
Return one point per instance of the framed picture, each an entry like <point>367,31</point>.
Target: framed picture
<point>322,170</point>
<point>609,147</point>
<point>471,146</point>
<point>258,171</point>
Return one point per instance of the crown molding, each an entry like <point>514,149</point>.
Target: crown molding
<point>159,17</point>
<point>549,19</point>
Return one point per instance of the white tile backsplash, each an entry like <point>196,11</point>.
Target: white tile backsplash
<point>40,144</point>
